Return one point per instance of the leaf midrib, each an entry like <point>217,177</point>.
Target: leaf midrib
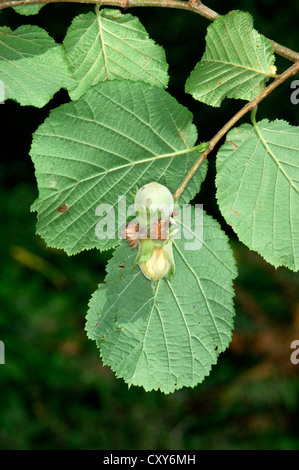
<point>103,42</point>
<point>269,151</point>
<point>233,65</point>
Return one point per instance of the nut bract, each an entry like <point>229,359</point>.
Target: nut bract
<point>161,261</point>
<point>154,206</point>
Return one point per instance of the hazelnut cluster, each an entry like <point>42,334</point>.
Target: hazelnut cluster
<point>150,231</point>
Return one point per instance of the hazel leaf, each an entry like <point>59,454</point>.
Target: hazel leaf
<point>111,45</point>
<point>237,62</point>
<point>258,189</point>
<point>118,136</point>
<point>167,335</point>
<point>32,65</point>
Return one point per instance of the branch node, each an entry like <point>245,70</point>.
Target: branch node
<point>194,3</point>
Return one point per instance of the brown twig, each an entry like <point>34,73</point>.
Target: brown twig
<point>195,6</point>
<point>248,107</point>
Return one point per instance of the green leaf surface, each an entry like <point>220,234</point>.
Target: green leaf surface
<point>110,46</point>
<point>236,63</point>
<point>258,189</point>
<point>166,335</point>
<point>32,66</point>
<point>118,136</point>
<point>29,10</point>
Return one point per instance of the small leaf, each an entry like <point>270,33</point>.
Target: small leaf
<point>167,335</point>
<point>32,66</point>
<point>258,189</point>
<point>110,46</point>
<point>118,136</point>
<point>237,61</point>
<point>28,10</point>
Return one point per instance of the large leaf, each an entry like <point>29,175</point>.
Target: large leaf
<point>32,66</point>
<point>110,46</point>
<point>167,335</point>
<point>258,189</point>
<point>119,135</point>
<point>236,64</point>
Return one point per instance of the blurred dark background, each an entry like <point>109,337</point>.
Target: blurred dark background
<point>55,393</point>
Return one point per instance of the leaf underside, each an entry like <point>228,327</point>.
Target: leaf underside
<point>29,10</point>
<point>110,46</point>
<point>32,66</point>
<point>258,189</point>
<point>236,62</point>
<point>119,135</point>
<point>166,335</point>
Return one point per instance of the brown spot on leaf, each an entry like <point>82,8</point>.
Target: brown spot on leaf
<point>63,208</point>
<point>236,212</point>
<point>235,145</point>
